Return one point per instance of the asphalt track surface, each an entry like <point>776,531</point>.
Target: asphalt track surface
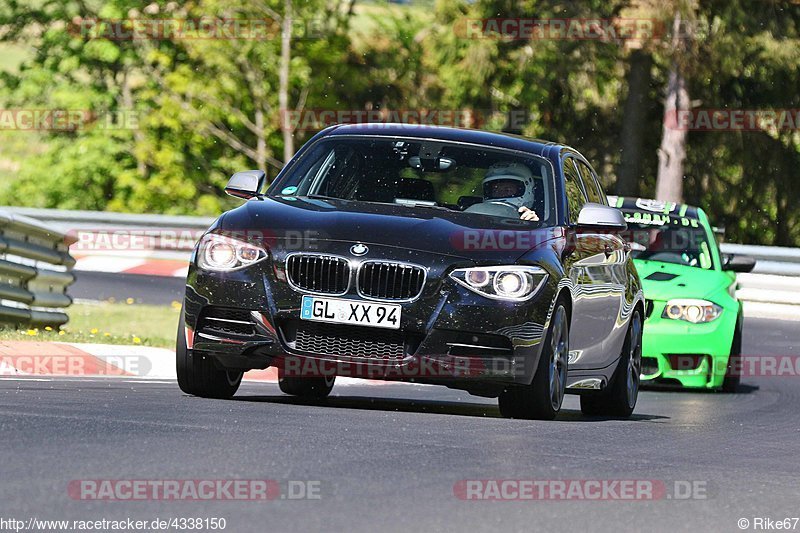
<point>155,290</point>
<point>388,456</point>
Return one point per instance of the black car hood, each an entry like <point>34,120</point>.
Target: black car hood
<point>430,230</point>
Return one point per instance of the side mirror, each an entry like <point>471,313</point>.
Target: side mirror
<point>601,217</point>
<point>246,184</point>
<point>738,263</point>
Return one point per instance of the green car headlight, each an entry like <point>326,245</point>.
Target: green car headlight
<point>691,310</point>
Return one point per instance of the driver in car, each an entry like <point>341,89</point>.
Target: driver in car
<point>512,184</point>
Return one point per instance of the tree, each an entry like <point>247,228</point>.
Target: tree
<point>204,107</point>
<point>672,153</point>
<point>634,123</point>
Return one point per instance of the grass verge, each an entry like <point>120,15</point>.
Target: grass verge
<point>110,323</point>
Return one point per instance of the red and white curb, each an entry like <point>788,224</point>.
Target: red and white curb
<point>132,265</point>
<point>24,358</point>
<point>61,359</point>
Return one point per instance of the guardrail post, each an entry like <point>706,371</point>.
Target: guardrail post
<point>35,271</point>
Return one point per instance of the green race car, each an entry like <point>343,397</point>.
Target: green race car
<point>693,324</point>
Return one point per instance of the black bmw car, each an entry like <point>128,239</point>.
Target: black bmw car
<point>479,261</point>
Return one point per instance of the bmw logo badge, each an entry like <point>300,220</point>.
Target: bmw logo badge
<point>358,249</point>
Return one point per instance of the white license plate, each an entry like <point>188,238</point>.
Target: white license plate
<point>356,312</point>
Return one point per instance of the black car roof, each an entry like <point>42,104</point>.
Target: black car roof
<point>499,140</point>
<point>646,205</point>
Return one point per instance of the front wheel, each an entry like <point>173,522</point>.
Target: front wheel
<point>198,375</point>
<point>619,398</point>
<point>542,399</point>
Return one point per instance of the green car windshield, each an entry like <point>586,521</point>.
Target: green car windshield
<point>669,239</point>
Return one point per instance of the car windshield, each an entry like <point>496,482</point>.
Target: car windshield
<point>669,239</point>
<point>426,173</point>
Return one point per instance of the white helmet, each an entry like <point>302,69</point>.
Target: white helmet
<point>518,181</point>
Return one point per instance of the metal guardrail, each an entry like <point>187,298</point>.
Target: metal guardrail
<point>67,221</point>
<point>123,235</point>
<point>770,282</point>
<point>770,259</point>
<point>35,271</point>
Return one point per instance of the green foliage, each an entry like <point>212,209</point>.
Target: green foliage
<point>109,323</point>
<point>202,109</point>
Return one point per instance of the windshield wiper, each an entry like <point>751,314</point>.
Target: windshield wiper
<point>412,203</point>
<point>318,197</point>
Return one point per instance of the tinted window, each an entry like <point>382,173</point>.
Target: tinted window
<point>575,195</point>
<point>590,184</point>
<point>668,239</point>
<point>435,174</point>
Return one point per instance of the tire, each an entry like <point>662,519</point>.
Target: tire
<point>619,398</point>
<point>315,388</point>
<point>542,399</point>
<point>733,370</point>
<point>198,375</point>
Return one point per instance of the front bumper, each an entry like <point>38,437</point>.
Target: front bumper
<point>448,335</point>
<point>679,353</point>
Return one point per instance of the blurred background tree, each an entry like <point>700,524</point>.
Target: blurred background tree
<point>186,113</point>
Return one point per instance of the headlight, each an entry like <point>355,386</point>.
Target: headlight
<point>223,254</point>
<point>512,282</point>
<point>694,311</point>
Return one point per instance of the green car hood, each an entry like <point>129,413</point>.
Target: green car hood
<point>665,281</point>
